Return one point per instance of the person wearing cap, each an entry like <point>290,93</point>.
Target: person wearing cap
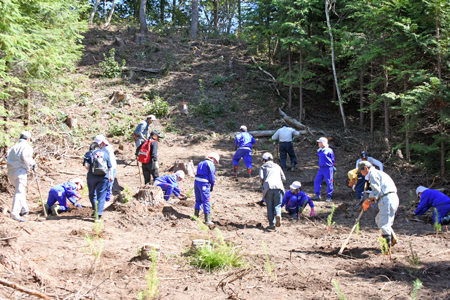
<point>358,181</point>
<point>61,193</point>
<point>326,169</point>
<point>141,132</point>
<point>151,169</point>
<point>169,184</point>
<point>97,184</point>
<point>20,161</point>
<point>384,192</point>
<point>272,177</point>
<point>284,136</point>
<point>243,144</point>
<point>295,200</point>
<point>433,199</point>
<point>104,144</point>
<point>204,185</point>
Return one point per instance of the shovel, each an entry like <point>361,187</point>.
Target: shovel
<point>40,194</point>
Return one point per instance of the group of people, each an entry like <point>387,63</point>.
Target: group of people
<point>100,162</point>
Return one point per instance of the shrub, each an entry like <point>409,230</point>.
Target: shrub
<point>208,109</point>
<point>159,107</point>
<point>151,278</point>
<point>231,125</point>
<point>126,194</point>
<point>417,285</point>
<point>111,68</point>
<point>261,127</point>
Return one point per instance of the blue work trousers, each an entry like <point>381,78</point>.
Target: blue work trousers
<point>98,187</point>
<point>246,154</point>
<point>110,185</point>
<point>273,199</point>
<point>359,187</point>
<point>327,174</point>
<point>202,196</point>
<point>285,149</point>
<point>168,189</point>
<point>53,197</point>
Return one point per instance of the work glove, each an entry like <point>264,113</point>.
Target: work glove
<point>182,196</point>
<point>78,205</point>
<point>78,196</point>
<point>366,205</point>
<point>353,187</point>
<point>313,214</point>
<point>155,165</point>
<point>211,188</point>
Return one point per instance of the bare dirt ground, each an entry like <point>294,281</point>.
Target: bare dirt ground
<point>303,251</point>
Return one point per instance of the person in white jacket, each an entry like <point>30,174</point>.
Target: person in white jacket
<point>104,144</point>
<point>19,161</point>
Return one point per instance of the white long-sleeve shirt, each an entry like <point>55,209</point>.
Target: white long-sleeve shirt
<point>373,161</point>
<point>285,134</point>
<point>112,157</point>
<point>20,156</point>
<point>381,184</point>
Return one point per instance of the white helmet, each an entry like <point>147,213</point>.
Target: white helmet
<point>243,128</point>
<point>296,185</point>
<point>267,156</point>
<point>180,174</point>
<point>214,155</point>
<point>79,181</point>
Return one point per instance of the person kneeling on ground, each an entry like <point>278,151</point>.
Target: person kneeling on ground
<point>61,193</point>
<point>295,201</point>
<point>272,177</point>
<point>204,185</point>
<point>169,184</point>
<point>436,199</point>
<point>384,192</point>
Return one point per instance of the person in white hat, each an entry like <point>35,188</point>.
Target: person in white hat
<point>142,130</point>
<point>285,136</point>
<point>433,199</point>
<point>104,144</point>
<point>20,161</point>
<point>326,169</point>
<point>272,177</point>
<point>243,144</point>
<point>61,193</point>
<point>204,185</point>
<point>169,184</point>
<point>295,200</point>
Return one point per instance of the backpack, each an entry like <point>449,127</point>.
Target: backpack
<point>144,152</point>
<point>99,164</point>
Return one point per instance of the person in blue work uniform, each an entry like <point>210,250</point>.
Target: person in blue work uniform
<point>98,178</point>
<point>169,184</point>
<point>433,199</point>
<point>284,136</point>
<point>326,169</point>
<point>104,144</point>
<point>295,200</point>
<point>61,193</point>
<point>204,185</point>
<point>243,145</point>
<point>360,184</point>
<point>140,134</point>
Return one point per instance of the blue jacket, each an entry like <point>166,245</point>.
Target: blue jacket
<point>291,200</point>
<point>207,170</point>
<point>244,139</point>
<point>89,158</point>
<point>66,190</point>
<point>436,199</point>
<point>326,157</point>
<point>142,130</point>
<point>169,180</point>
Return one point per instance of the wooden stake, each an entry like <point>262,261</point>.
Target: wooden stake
<point>24,290</point>
<point>351,232</point>
<point>40,194</point>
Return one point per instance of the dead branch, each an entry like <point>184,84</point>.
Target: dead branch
<point>141,69</point>
<point>24,290</point>
<point>291,121</point>
<point>8,238</point>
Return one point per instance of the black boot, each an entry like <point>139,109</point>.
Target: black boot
<point>197,212</point>
<point>284,170</point>
<point>208,219</point>
<point>445,220</point>
<point>293,167</point>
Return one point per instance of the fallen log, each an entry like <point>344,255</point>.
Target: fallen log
<point>24,290</point>
<point>141,69</point>
<point>291,121</point>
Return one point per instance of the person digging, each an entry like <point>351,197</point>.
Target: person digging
<point>169,184</point>
<point>384,192</point>
<point>60,194</point>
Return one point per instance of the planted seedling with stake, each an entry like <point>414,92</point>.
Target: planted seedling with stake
<point>330,218</point>
<point>437,226</point>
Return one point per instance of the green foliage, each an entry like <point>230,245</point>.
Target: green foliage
<point>201,225</point>
<point>417,285</point>
<point>384,247</point>
<point>338,290</point>
<point>234,106</point>
<point>123,127</point>
<point>126,194</point>
<point>110,67</point>
<point>206,108</point>
<point>330,217</point>
<point>151,279</point>
<point>219,256</point>
<point>158,107</point>
<point>230,125</point>
<point>268,265</point>
<point>219,80</point>
<point>414,259</point>
<point>189,193</point>
<point>357,229</point>
<point>95,243</point>
<point>261,127</point>
<point>437,226</point>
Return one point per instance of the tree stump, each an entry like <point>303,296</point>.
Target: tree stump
<point>147,249</point>
<point>72,122</point>
<point>151,196</point>
<point>186,166</point>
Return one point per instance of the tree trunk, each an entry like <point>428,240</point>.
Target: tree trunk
<point>94,10</point>
<point>174,8</point>
<point>216,16</point>
<point>269,54</point>
<point>300,67</point>
<point>371,104</point>
<point>111,12</point>
<point>27,107</point>
<point>162,5</point>
<point>239,17</point>
<point>327,13</point>
<point>136,8</point>
<point>290,79</point>
<point>143,18</point>
<point>227,2</point>
<point>439,69</point>
<point>194,21</point>
<point>104,9</point>
<point>361,101</point>
<point>386,102</point>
